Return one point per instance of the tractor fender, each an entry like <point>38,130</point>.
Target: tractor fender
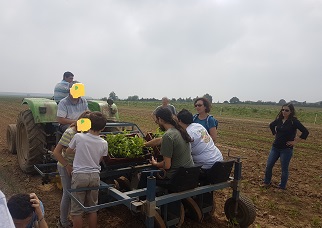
<point>98,105</point>
<point>43,110</point>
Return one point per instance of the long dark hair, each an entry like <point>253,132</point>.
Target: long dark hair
<point>292,111</point>
<point>166,115</point>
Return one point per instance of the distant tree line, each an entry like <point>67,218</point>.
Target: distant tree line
<point>113,96</point>
<point>233,100</point>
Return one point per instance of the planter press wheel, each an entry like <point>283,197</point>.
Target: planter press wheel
<point>31,141</point>
<point>181,218</point>
<point>192,209</point>
<point>182,214</point>
<point>11,138</point>
<point>246,212</point>
<point>158,221</point>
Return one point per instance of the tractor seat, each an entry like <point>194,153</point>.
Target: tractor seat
<point>218,173</point>
<point>183,179</point>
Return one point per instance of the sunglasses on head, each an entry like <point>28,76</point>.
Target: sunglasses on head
<point>285,110</point>
<point>198,105</point>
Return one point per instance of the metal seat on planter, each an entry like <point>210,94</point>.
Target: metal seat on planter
<point>183,179</point>
<point>219,172</point>
<point>202,204</point>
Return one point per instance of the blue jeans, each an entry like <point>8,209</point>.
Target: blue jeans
<point>285,156</point>
<point>65,200</point>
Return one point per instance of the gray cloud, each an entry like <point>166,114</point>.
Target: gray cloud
<point>255,50</point>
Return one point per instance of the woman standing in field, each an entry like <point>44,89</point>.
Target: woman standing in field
<point>284,128</point>
<point>65,168</point>
<point>202,106</point>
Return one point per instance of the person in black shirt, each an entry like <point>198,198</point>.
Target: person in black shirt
<point>284,128</point>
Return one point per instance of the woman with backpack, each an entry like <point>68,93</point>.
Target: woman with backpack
<point>202,106</point>
<point>284,128</point>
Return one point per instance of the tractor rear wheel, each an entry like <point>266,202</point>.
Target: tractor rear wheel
<point>246,212</point>
<point>31,141</point>
<point>11,138</point>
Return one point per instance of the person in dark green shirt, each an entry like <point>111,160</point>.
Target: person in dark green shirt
<point>175,144</point>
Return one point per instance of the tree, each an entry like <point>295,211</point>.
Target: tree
<point>208,97</point>
<point>113,96</point>
<point>282,102</point>
<point>133,98</point>
<point>189,99</point>
<point>234,100</point>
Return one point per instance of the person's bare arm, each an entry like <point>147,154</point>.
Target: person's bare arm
<point>64,121</point>
<point>58,154</point>
<point>35,202</point>
<point>154,142</point>
<point>165,164</point>
<point>213,133</point>
<point>70,151</point>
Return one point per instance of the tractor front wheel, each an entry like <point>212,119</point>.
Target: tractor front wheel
<point>31,141</point>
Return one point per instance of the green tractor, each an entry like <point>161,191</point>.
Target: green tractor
<point>35,133</point>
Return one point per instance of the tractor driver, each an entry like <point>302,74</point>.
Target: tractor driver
<point>69,109</point>
<point>62,88</point>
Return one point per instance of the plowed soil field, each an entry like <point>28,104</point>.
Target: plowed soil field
<point>300,205</point>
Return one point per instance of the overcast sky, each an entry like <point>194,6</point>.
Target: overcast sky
<point>255,50</point>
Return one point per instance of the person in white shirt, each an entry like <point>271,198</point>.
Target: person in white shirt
<point>5,216</point>
<point>203,150</point>
<point>89,150</point>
